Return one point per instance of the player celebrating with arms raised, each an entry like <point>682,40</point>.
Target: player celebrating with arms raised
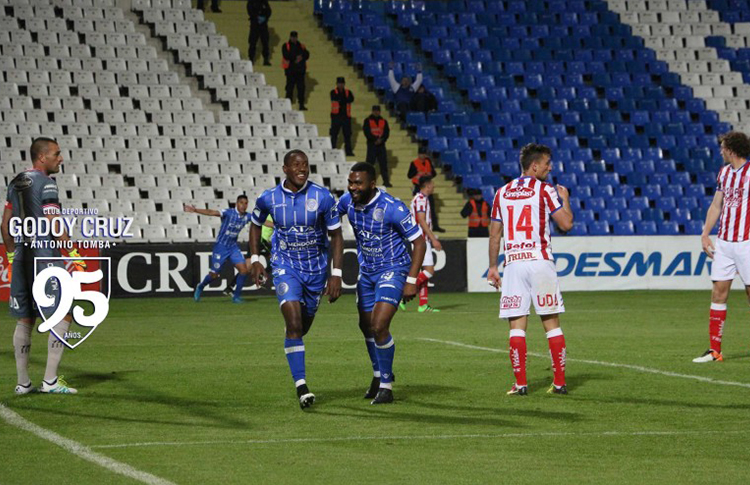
<point>731,254</point>
<point>226,247</point>
<point>519,213</point>
<point>302,212</point>
<point>387,273</point>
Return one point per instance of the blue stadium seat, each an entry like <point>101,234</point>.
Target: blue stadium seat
<point>668,228</point>
<point>599,228</point>
<point>624,228</point>
<point>646,228</point>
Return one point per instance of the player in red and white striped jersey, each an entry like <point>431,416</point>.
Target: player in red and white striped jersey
<point>520,213</point>
<point>731,255</point>
<point>420,209</point>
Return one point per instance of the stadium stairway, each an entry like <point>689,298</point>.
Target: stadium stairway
<point>679,32</point>
<point>326,63</point>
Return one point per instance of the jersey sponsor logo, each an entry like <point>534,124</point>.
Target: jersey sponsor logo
<point>378,214</point>
<point>282,245</point>
<point>301,229</point>
<point>518,193</point>
<point>510,302</point>
<point>733,196</point>
<point>312,205</point>
<point>407,222</point>
<point>370,236</point>
<point>519,256</point>
<point>23,183</point>
<point>522,245</point>
<point>282,289</point>
<point>256,212</point>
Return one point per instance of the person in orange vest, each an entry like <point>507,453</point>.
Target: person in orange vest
<point>478,211</point>
<point>420,167</point>
<point>377,131</point>
<point>294,62</point>
<point>341,115</point>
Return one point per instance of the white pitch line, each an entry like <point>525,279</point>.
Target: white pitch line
<point>638,368</point>
<point>79,450</point>
<point>417,437</point>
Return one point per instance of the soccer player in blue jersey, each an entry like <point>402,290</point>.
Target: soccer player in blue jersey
<point>226,247</point>
<point>304,216</point>
<point>383,226</point>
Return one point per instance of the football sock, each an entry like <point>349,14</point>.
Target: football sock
<point>55,350</point>
<point>423,277</point>
<point>240,283</point>
<point>556,341</point>
<point>22,346</point>
<point>423,295</point>
<point>518,355</point>
<point>295,356</point>
<point>206,281</point>
<point>716,320</point>
<point>370,342</point>
<point>385,352</point>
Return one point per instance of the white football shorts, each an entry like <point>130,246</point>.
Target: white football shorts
<point>429,258</point>
<point>530,281</point>
<point>731,258</point>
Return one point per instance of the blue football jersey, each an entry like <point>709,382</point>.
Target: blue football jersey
<point>232,223</point>
<point>382,228</point>
<point>301,222</point>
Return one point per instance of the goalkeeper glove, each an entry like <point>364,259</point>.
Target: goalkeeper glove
<point>78,264</point>
<point>10,257</point>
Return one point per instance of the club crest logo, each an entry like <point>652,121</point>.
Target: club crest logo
<point>282,289</point>
<point>312,205</point>
<point>378,214</point>
<point>57,288</point>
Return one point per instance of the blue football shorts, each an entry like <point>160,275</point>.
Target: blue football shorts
<point>293,285</point>
<point>222,253</point>
<point>386,286</point>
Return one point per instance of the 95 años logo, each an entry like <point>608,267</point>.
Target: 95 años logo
<point>61,287</point>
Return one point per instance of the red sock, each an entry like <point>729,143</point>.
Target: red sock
<point>422,278</point>
<point>518,356</point>
<point>716,325</point>
<point>423,295</point>
<point>556,341</point>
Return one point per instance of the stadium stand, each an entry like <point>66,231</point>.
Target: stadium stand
<point>624,127</point>
<point>135,137</point>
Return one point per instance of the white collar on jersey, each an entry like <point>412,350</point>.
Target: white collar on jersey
<point>361,207</point>
<point>294,193</point>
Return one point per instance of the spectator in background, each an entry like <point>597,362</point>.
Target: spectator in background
<point>423,101</point>
<point>259,12</point>
<point>214,6</point>
<point>478,211</point>
<point>341,115</point>
<point>377,131</point>
<point>404,91</point>
<point>295,66</point>
<point>422,167</point>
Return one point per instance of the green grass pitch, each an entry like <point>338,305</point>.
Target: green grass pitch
<point>201,393</point>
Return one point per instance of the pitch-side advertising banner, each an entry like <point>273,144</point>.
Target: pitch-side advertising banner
<point>612,263</point>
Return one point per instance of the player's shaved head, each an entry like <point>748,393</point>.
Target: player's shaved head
<point>241,197</point>
<point>533,152</point>
<point>288,157</point>
<point>364,167</point>
<point>41,146</point>
<point>736,142</point>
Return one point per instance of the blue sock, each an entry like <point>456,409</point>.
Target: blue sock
<point>370,342</point>
<point>238,286</point>
<point>206,281</point>
<point>385,352</point>
<point>295,355</point>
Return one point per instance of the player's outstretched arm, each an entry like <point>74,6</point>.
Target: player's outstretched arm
<point>712,216</point>
<point>496,233</point>
<point>417,257</point>
<point>257,270</point>
<point>203,212</point>
<point>333,287</point>
<point>563,217</point>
